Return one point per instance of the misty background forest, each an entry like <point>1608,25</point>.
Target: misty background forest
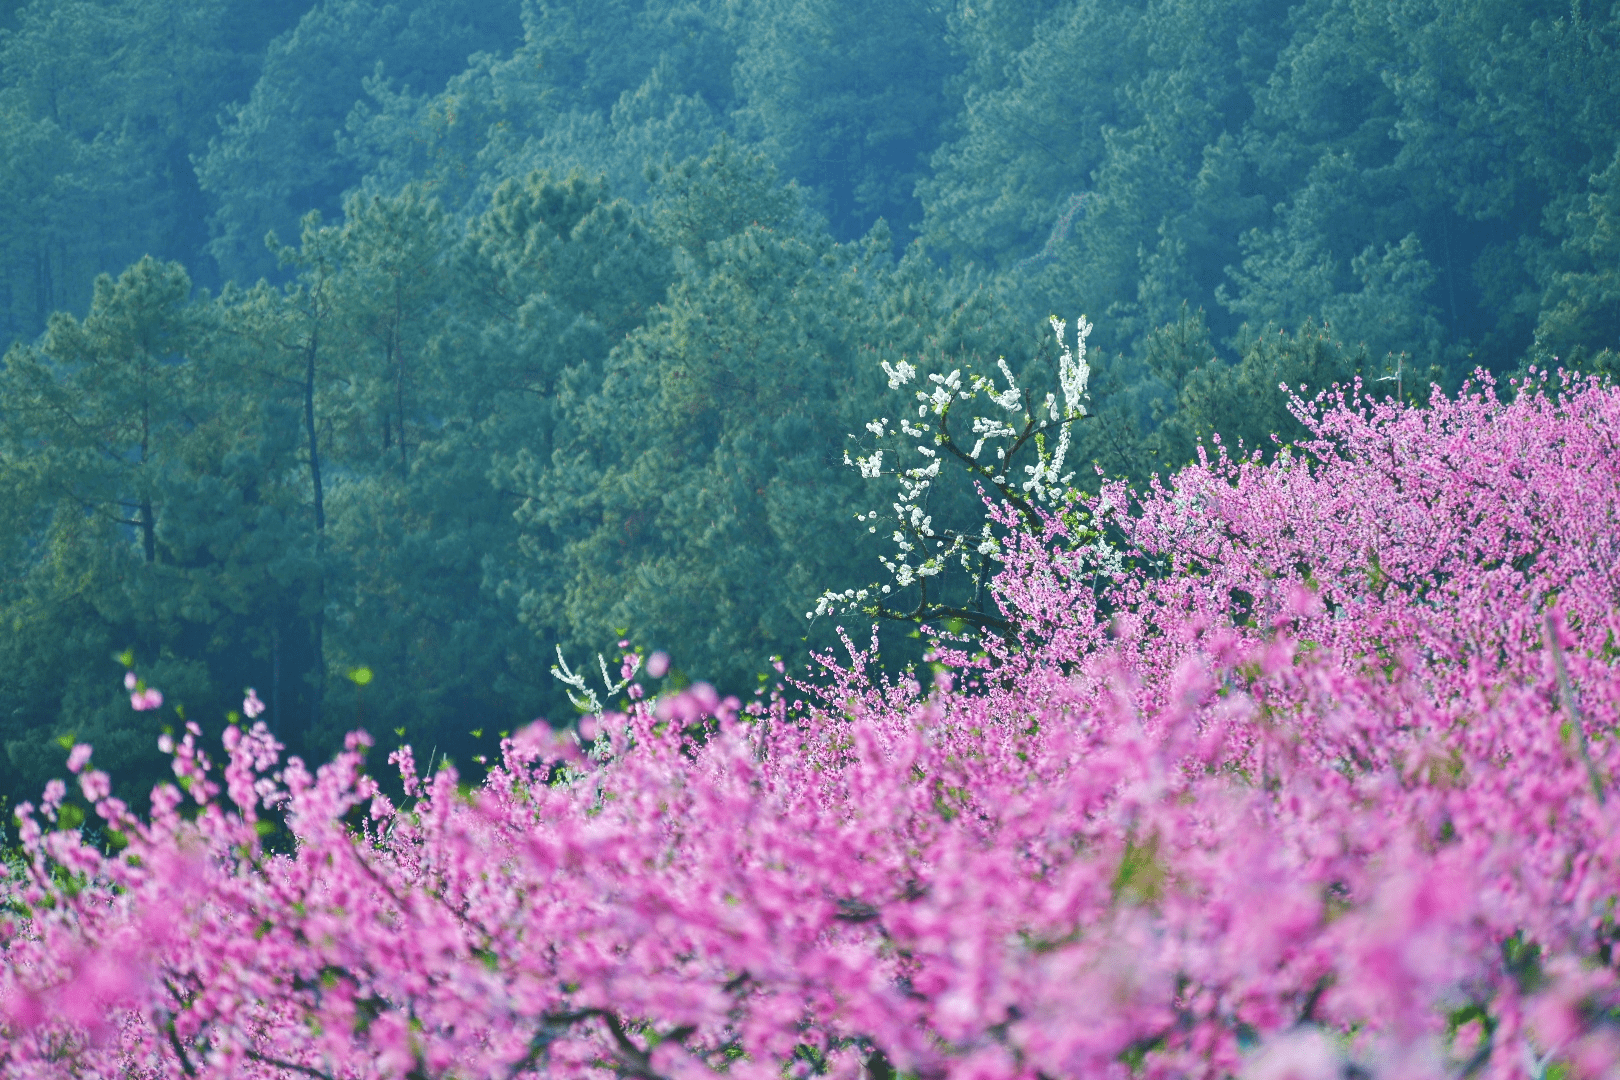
<point>568,308</point>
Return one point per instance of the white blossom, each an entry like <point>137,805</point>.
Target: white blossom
<point>899,374</point>
<point>1073,371</point>
<point>1009,398</point>
<point>586,700</point>
<point>1014,442</point>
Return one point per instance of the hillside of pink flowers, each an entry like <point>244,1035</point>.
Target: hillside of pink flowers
<point>1291,770</point>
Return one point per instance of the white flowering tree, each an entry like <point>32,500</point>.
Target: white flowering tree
<point>1009,441</point>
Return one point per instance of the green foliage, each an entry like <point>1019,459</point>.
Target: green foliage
<point>690,467</point>
<point>278,154</point>
<point>1580,310</point>
<point>101,106</point>
<point>606,89</point>
<point>594,296</point>
<point>850,99</point>
<point>147,514</point>
<point>1244,405</point>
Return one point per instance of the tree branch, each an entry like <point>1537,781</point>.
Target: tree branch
<point>307,1070</point>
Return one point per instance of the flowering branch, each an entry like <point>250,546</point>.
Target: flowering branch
<point>996,461</point>
<point>1277,811</point>
<point>580,694</point>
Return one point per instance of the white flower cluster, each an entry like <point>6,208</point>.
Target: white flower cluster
<point>922,551</point>
<point>586,700</point>
<point>899,374</point>
<point>1073,371</point>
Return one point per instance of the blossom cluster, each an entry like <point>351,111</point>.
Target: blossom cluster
<point>1014,432</point>
<point>1313,779</point>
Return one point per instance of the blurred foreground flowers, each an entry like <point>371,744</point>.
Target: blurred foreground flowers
<point>1307,775</point>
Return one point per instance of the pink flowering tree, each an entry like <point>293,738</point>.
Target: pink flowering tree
<point>1308,773</point>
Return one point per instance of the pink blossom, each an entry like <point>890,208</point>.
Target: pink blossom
<point>1302,1055</point>
<point>251,705</point>
<point>96,785</point>
<point>1321,762</point>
